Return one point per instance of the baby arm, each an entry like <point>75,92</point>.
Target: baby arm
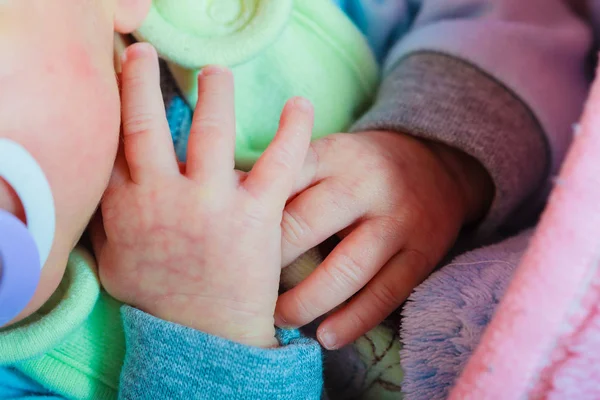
<point>196,248</point>
<point>469,123</point>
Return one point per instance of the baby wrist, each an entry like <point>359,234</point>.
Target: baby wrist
<point>473,181</point>
<point>217,319</point>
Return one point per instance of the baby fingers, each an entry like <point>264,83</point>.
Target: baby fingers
<point>274,174</point>
<point>376,301</point>
<point>148,146</point>
<point>350,266</point>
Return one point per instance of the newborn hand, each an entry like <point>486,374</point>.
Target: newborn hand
<point>200,244</point>
<point>398,203</point>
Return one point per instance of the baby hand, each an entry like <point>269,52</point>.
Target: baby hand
<point>398,203</point>
<point>200,244</point>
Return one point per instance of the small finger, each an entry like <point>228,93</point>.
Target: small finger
<point>275,172</point>
<point>147,141</point>
<point>317,214</point>
<point>211,144</point>
<point>376,301</point>
<point>348,268</point>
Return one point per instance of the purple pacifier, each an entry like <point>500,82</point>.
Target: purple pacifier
<point>19,267</point>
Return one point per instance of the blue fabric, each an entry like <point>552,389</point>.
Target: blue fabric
<point>184,363</point>
<point>169,361</point>
<point>179,114</point>
<point>15,385</point>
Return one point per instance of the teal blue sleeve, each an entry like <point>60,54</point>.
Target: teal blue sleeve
<point>14,385</point>
<point>169,361</point>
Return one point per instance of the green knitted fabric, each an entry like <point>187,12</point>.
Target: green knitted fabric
<point>75,344</point>
<point>277,49</point>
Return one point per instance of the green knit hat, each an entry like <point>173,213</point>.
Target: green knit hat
<point>277,49</point>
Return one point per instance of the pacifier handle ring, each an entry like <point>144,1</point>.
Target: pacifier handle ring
<point>27,179</point>
<point>19,267</point>
<point>24,249</point>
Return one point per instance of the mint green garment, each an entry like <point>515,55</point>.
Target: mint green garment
<point>74,348</point>
<point>277,50</point>
<point>74,345</point>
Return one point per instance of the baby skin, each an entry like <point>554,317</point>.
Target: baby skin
<point>60,101</point>
<point>197,244</point>
<point>401,200</point>
<point>398,204</point>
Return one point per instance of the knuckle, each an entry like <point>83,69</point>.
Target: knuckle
<point>389,228</point>
<point>294,228</point>
<point>346,273</point>
<point>139,123</point>
<point>384,297</point>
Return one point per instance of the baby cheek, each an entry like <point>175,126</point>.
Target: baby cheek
<point>79,143</point>
<point>92,151</point>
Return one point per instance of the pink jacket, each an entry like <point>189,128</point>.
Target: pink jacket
<point>544,340</point>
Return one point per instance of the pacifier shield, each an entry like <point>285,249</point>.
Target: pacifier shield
<point>20,170</point>
<point>19,266</point>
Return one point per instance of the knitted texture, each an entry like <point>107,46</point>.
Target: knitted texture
<point>199,366</point>
<point>83,357</point>
<point>74,345</point>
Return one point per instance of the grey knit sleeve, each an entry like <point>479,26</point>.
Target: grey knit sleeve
<point>441,98</point>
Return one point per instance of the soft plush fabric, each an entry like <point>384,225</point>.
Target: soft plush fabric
<point>544,340</point>
<point>446,316</point>
<point>519,319</point>
<point>277,50</point>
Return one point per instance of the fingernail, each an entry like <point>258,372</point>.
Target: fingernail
<point>280,322</point>
<point>212,70</point>
<point>302,104</point>
<point>137,50</point>
<point>328,339</point>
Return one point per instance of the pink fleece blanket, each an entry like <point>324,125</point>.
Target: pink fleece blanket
<point>544,340</point>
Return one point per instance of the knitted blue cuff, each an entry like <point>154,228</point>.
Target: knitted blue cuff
<point>170,361</point>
